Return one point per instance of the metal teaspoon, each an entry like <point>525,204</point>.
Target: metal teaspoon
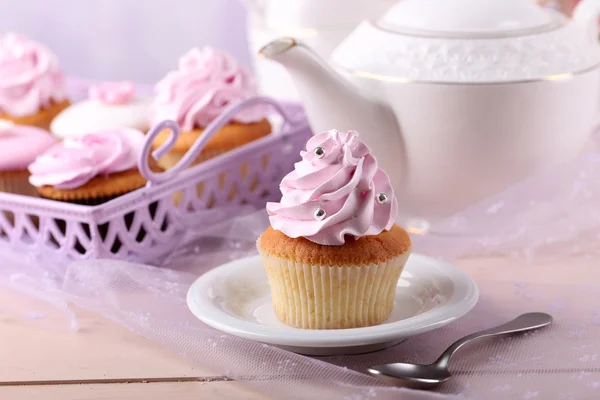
<point>429,376</point>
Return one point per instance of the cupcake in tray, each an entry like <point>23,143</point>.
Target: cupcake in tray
<point>110,105</point>
<point>206,82</point>
<point>32,86</point>
<point>19,146</point>
<point>90,169</point>
<point>333,254</point>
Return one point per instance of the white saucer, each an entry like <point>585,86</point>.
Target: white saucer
<point>235,298</point>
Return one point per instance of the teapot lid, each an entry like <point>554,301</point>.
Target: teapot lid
<point>293,15</point>
<point>472,41</point>
<point>467,18</point>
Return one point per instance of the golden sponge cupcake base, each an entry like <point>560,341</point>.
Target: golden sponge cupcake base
<point>42,118</point>
<point>229,137</point>
<point>98,189</point>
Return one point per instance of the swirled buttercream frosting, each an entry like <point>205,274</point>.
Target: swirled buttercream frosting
<point>205,84</point>
<point>112,93</point>
<point>75,161</point>
<point>336,192</point>
<point>21,144</point>
<point>30,76</point>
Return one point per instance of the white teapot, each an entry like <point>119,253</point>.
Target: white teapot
<point>458,99</point>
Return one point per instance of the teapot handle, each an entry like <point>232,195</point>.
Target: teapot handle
<point>587,13</point>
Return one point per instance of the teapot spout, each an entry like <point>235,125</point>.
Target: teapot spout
<point>330,100</point>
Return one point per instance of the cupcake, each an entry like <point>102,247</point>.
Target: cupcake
<point>333,254</point>
<point>110,105</point>
<point>205,84</point>
<point>19,146</point>
<point>91,169</point>
<point>32,86</point>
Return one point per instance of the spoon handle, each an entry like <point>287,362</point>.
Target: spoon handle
<point>522,323</point>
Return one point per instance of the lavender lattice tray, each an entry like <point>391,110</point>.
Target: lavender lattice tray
<point>148,224</point>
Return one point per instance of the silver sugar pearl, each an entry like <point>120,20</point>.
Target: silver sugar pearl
<point>382,198</point>
<point>320,214</point>
<point>319,152</point>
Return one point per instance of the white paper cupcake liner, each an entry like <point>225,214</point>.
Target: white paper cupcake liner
<point>332,297</point>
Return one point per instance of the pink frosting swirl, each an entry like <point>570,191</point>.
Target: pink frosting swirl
<point>337,190</point>
<point>112,93</point>
<point>75,161</point>
<point>30,77</point>
<point>206,82</point>
<point>21,144</point>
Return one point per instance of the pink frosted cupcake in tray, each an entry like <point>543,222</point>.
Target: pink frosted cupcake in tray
<point>19,146</point>
<point>91,169</point>
<point>205,84</point>
<point>32,86</point>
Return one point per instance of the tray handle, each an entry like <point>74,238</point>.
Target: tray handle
<point>192,154</point>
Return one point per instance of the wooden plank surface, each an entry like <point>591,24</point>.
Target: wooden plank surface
<point>101,349</point>
<point>45,363</point>
<point>133,391</point>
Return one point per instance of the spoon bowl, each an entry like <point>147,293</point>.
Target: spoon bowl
<point>413,376</point>
<point>429,376</point>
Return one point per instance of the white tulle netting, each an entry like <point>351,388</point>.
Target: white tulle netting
<point>553,218</point>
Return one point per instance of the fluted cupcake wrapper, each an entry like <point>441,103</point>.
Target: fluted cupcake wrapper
<point>16,182</point>
<point>332,297</point>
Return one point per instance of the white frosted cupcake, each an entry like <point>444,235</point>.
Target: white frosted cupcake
<point>111,105</point>
<point>333,254</point>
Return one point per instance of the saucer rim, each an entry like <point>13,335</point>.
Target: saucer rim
<point>463,299</point>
